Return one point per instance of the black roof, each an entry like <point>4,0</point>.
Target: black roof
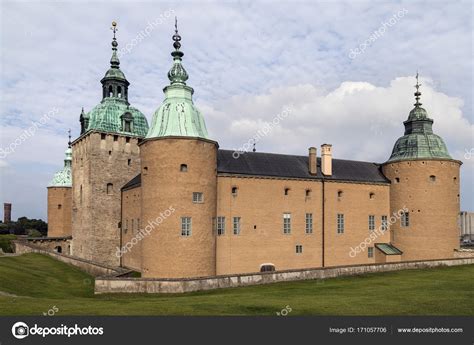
<point>278,165</point>
<point>291,166</point>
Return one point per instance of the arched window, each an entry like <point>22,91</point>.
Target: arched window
<point>111,91</point>
<point>119,92</point>
<point>267,268</point>
<point>58,249</point>
<point>234,191</point>
<point>110,187</point>
<point>287,191</point>
<point>372,195</point>
<point>183,168</point>
<point>340,193</point>
<point>308,193</point>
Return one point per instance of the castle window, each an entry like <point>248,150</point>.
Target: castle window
<point>198,198</point>
<point>111,91</point>
<point>115,137</point>
<point>129,161</point>
<point>340,193</point>
<point>397,180</point>
<point>308,193</point>
<point>340,223</point>
<point>183,168</point>
<point>58,249</point>
<point>384,223</point>
<point>309,223</point>
<point>234,191</point>
<point>432,178</point>
<point>370,252</point>
<point>405,221</point>
<point>236,225</point>
<point>371,222</point>
<point>455,179</point>
<point>145,170</point>
<point>267,268</point>
<point>127,122</point>
<point>287,223</point>
<point>287,191</point>
<point>59,206</point>
<point>119,92</point>
<point>220,226</point>
<point>372,196</point>
<point>127,140</point>
<point>110,189</point>
<point>299,249</point>
<point>102,136</point>
<point>186,226</point>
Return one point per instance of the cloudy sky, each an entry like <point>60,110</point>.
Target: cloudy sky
<point>345,69</point>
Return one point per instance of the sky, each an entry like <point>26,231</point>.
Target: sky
<point>338,72</point>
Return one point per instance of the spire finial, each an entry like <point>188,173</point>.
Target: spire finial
<point>176,36</point>
<point>417,93</point>
<point>69,135</point>
<point>114,61</point>
<point>254,145</point>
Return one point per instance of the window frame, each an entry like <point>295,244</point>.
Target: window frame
<point>220,226</point>
<point>286,223</point>
<point>196,199</point>
<point>371,222</point>
<point>340,223</point>
<point>236,225</point>
<point>186,226</point>
<point>308,223</point>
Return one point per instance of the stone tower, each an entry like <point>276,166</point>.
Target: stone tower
<point>105,157</point>
<point>179,184</point>
<point>7,212</point>
<point>424,180</point>
<point>60,199</point>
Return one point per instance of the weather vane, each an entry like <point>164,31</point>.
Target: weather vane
<point>114,27</point>
<point>69,135</point>
<point>417,93</point>
<point>176,36</point>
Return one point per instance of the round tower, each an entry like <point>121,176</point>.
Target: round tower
<point>424,190</point>
<point>179,185</point>
<point>60,199</point>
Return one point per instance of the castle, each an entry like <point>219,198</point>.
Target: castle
<point>166,201</point>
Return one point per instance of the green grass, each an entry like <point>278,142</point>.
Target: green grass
<point>6,243</point>
<point>40,282</point>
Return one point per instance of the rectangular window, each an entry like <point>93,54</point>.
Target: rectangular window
<point>286,223</point>
<point>198,197</point>
<point>405,219</point>
<point>236,225</point>
<point>384,223</point>
<point>186,226</point>
<point>299,249</point>
<point>126,225</point>
<point>220,226</point>
<point>370,252</point>
<point>309,223</point>
<point>340,223</point>
<point>371,223</point>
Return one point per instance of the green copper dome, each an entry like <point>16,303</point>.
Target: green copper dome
<point>177,115</point>
<point>419,141</point>
<point>63,178</point>
<point>114,113</point>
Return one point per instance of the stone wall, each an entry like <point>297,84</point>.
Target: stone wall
<point>93,268</point>
<point>150,285</point>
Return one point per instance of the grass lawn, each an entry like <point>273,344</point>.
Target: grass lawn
<point>32,284</point>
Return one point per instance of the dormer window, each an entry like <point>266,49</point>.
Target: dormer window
<point>127,122</point>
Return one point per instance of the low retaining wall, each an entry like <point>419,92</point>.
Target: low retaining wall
<point>150,285</point>
<point>93,268</point>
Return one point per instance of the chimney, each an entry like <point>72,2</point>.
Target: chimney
<point>7,212</point>
<point>312,161</point>
<point>326,159</point>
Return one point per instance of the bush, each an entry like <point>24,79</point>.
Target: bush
<point>6,243</point>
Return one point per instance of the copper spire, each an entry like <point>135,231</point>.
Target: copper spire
<point>417,93</point>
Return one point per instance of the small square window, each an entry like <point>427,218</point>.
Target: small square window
<point>234,191</point>
<point>198,197</point>
<point>127,140</point>
<point>59,206</point>
<point>183,168</point>
<point>102,136</point>
<point>299,249</point>
<point>287,191</point>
